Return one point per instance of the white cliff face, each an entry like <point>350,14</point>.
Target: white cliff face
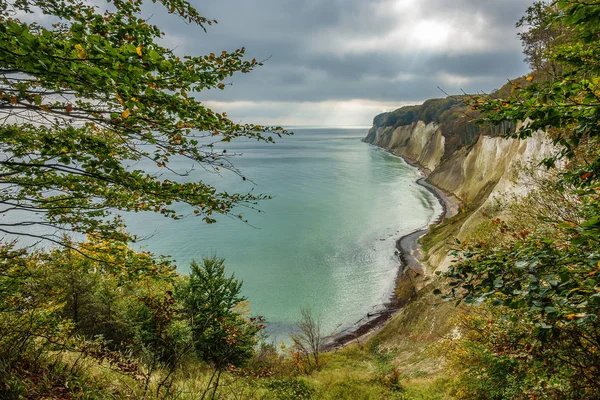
<point>486,170</point>
<point>419,142</point>
<point>487,164</point>
<point>476,174</point>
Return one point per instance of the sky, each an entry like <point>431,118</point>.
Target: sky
<point>341,62</point>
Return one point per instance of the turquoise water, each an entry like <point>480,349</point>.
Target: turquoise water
<point>325,240</point>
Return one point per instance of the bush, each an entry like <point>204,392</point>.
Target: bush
<point>290,389</point>
<point>498,356</point>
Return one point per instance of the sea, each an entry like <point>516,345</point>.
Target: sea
<point>326,238</point>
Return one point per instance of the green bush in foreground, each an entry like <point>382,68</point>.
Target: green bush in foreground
<point>290,388</point>
<point>63,313</point>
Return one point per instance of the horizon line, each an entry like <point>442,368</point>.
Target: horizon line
<point>325,126</point>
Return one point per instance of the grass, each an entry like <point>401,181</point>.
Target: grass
<point>397,363</point>
<point>429,388</point>
<point>394,364</point>
<point>364,371</point>
<point>443,232</point>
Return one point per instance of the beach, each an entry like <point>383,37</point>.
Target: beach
<point>409,254</point>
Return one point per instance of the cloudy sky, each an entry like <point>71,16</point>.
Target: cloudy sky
<point>341,62</point>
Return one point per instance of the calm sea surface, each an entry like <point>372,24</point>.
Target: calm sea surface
<point>325,240</point>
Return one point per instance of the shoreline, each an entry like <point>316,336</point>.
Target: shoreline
<point>409,252</point>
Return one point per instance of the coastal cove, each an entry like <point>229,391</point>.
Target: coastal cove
<point>270,200</point>
<point>326,240</point>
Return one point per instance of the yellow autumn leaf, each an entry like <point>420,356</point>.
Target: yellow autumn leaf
<point>126,113</point>
<point>138,50</point>
<point>80,51</point>
<point>530,78</point>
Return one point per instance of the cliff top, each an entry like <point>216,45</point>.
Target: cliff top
<point>455,118</point>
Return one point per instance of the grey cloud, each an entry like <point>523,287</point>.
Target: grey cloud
<point>290,31</point>
<point>371,77</point>
<point>501,64</point>
<point>505,12</point>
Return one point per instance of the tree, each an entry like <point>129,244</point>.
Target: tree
<point>222,334</point>
<point>29,311</point>
<point>309,340</point>
<point>567,105</point>
<point>541,36</point>
<point>95,91</point>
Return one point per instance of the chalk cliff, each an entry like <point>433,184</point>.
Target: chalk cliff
<point>475,172</point>
<point>420,142</point>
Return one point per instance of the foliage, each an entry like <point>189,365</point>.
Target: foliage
<point>568,108</point>
<point>307,342</point>
<point>221,332</point>
<point>116,308</point>
<point>84,99</point>
<point>547,287</point>
<point>29,312</point>
<point>544,279</point>
<point>551,278</point>
<point>429,111</point>
<point>102,294</point>
<point>498,356</point>
<point>541,36</point>
<point>566,105</point>
<point>454,117</point>
<point>290,388</point>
